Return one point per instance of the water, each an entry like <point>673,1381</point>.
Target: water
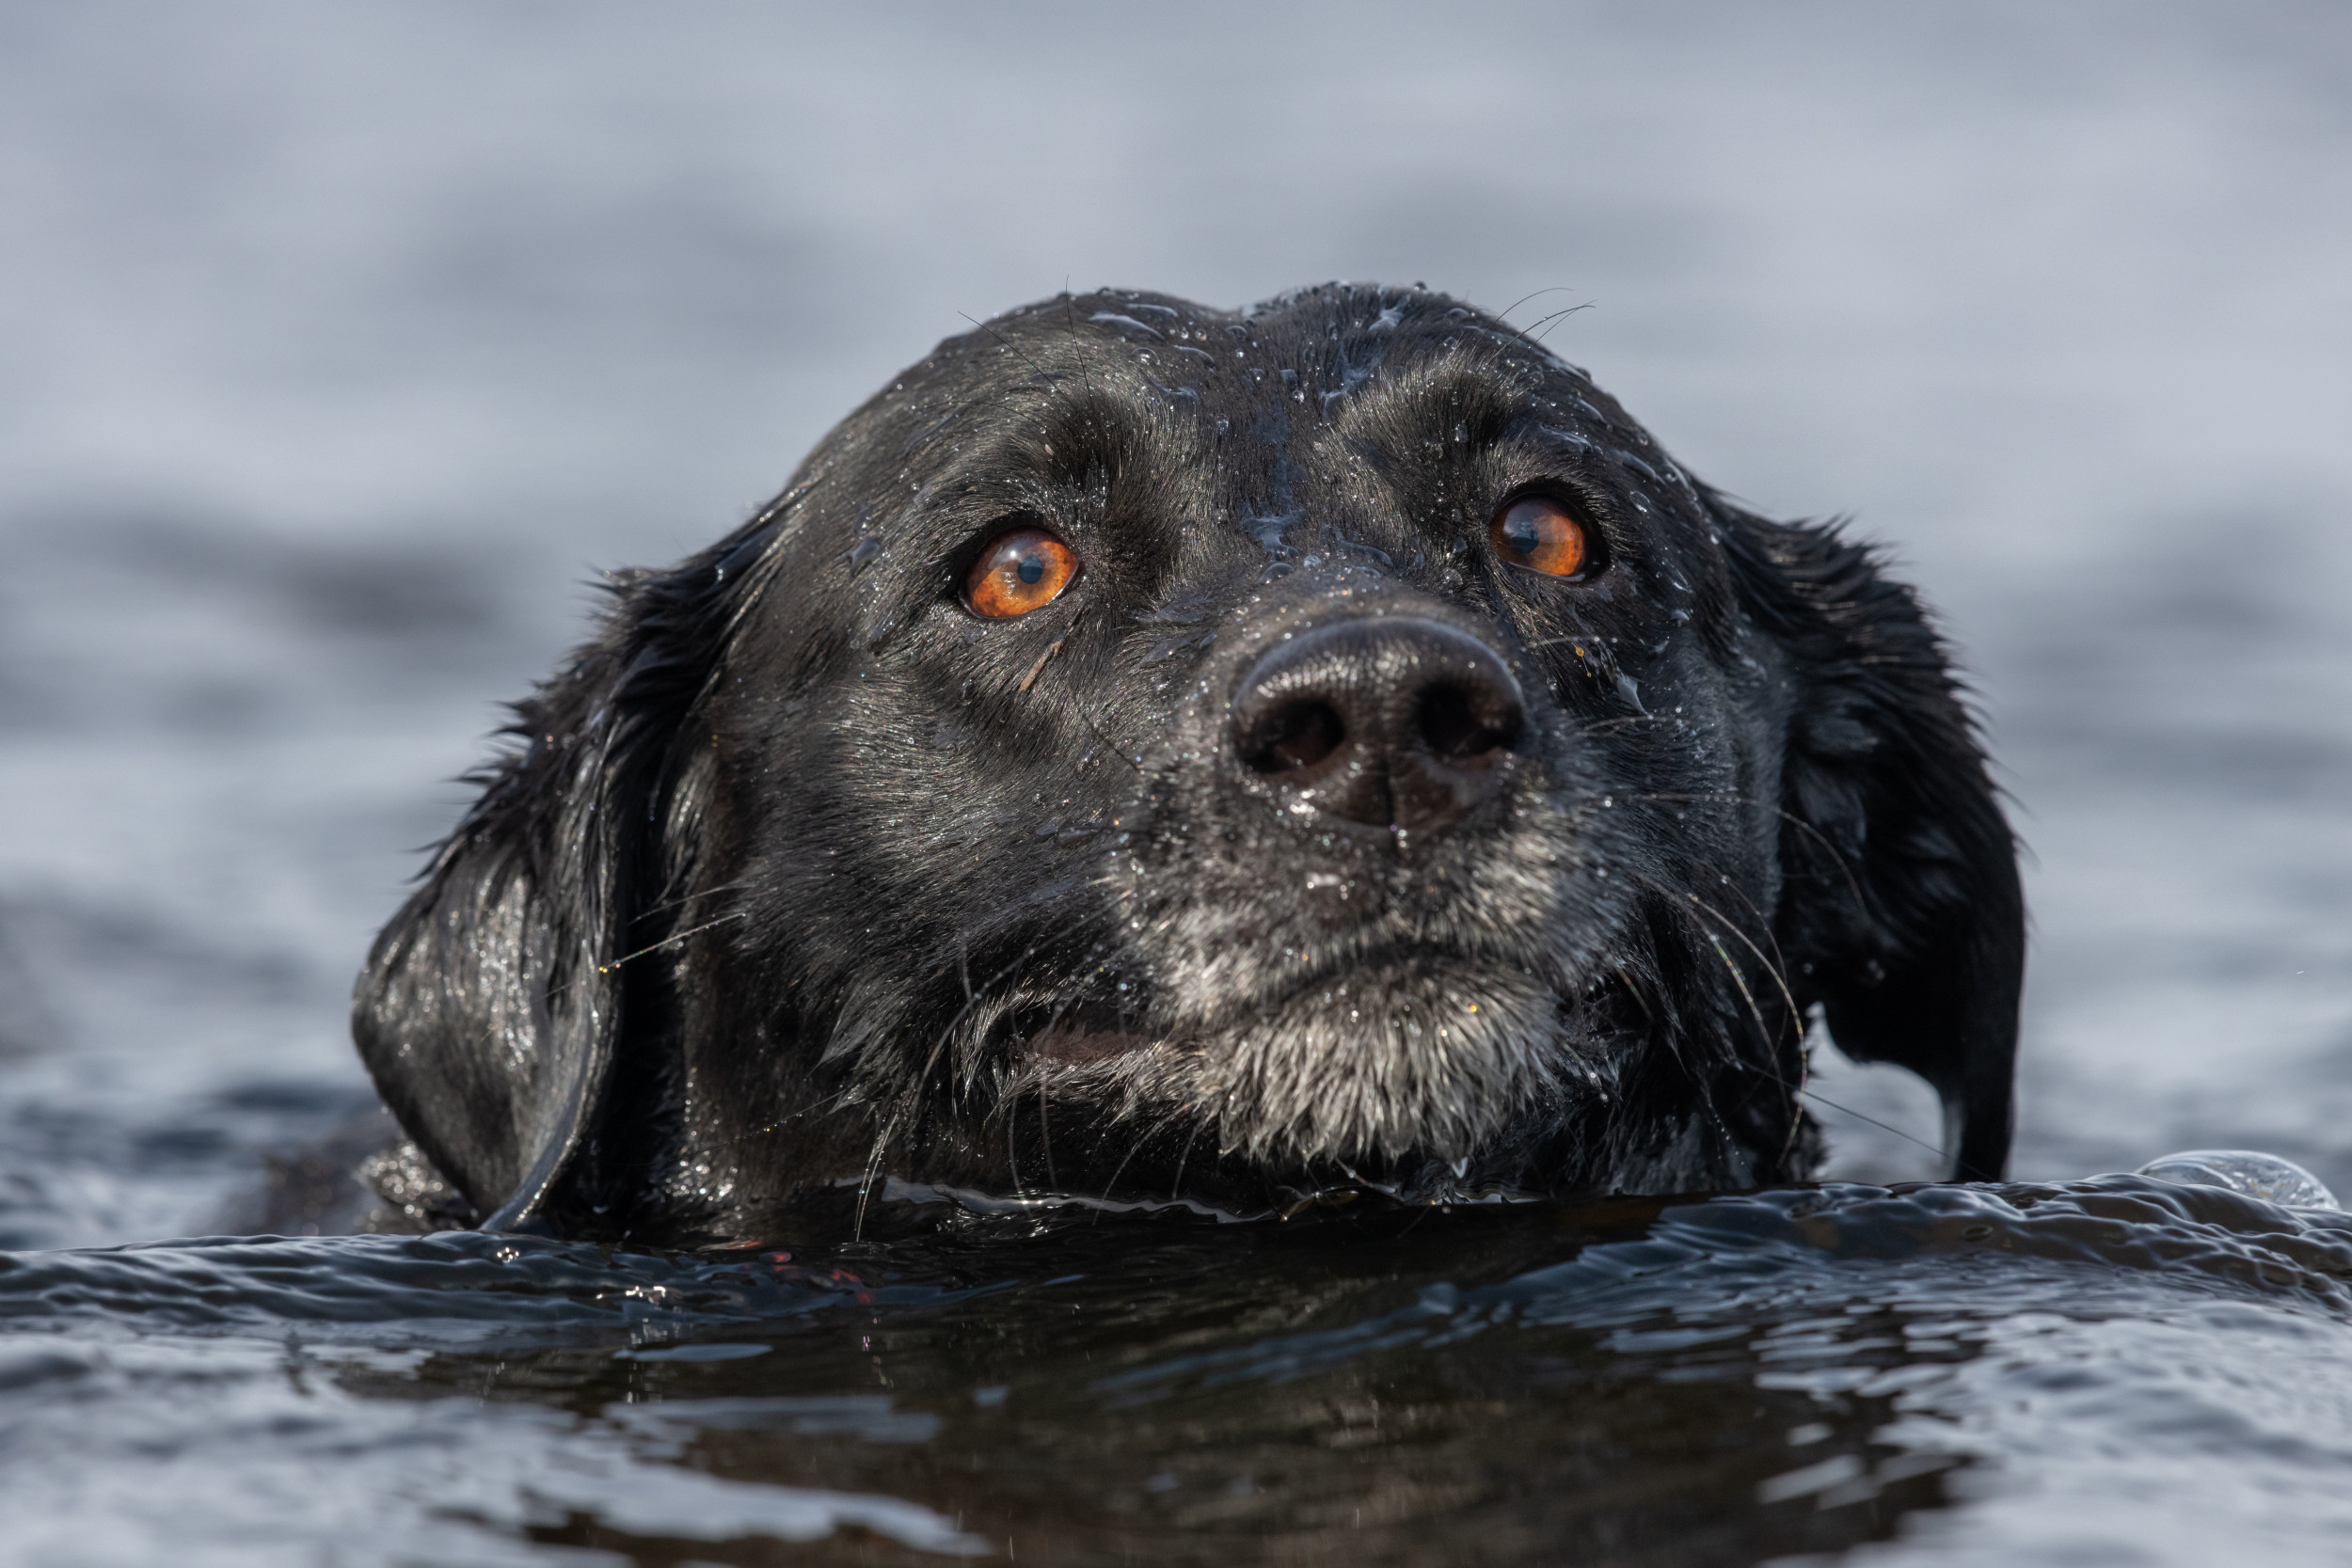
<point>338,348</point>
<point>1633,1382</point>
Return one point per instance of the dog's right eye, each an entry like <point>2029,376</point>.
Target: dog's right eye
<point>1539,534</point>
<point>1017,572</point>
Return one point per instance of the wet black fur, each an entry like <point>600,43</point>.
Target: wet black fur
<point>796,858</point>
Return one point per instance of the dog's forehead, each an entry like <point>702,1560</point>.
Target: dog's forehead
<point>1312,349</point>
<point>1090,385</point>
<point>1333,406</point>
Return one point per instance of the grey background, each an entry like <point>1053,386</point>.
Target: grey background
<point>339,346</point>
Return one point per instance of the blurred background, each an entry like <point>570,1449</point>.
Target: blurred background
<point>342,346</point>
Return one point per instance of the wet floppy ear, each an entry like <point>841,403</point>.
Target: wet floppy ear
<point>1901,911</point>
<point>492,1007</point>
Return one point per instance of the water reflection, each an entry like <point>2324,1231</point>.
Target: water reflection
<point>1361,1388</point>
<point>1657,1380</point>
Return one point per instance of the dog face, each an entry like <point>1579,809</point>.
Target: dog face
<point>1156,751</point>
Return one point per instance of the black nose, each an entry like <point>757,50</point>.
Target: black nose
<point>1398,724</point>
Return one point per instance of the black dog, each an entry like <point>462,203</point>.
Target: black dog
<point>1151,751</point>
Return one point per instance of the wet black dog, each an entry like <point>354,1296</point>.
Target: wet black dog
<point>1156,751</point>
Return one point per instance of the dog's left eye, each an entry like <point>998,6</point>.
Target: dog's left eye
<point>1538,533</point>
<point>1024,570</point>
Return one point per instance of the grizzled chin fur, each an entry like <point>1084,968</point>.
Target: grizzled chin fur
<point>1421,1058</point>
<point>1388,999</point>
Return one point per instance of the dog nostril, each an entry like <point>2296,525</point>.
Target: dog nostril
<point>1457,727</point>
<point>1297,735</point>
<point>1387,721</point>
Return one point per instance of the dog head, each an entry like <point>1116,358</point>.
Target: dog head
<point>1152,750</point>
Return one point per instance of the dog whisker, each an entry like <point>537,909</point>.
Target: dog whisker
<point>1787,816</point>
<point>672,940</point>
<point>1557,316</point>
<point>685,898</point>
<point>866,1183</point>
<point>1771,967</point>
<point>1035,369</point>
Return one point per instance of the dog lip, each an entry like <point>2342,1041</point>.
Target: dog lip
<point>1347,976</point>
<point>1081,1036</point>
<point>1095,1031</point>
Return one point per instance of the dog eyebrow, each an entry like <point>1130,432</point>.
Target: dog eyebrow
<point>1076,426</point>
<point>1073,426</point>
<point>1460,397</point>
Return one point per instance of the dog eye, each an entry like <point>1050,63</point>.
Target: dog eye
<point>1018,572</point>
<point>1538,533</point>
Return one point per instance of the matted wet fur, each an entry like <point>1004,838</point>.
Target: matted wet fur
<point>803,872</point>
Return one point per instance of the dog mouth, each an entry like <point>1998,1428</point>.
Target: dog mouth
<point>1428,1053</point>
<point>1065,1034</point>
<point>1083,1035</point>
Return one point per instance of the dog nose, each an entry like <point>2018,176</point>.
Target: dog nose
<point>1397,722</point>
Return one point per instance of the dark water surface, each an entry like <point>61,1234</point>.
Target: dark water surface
<point>340,345</point>
<point>1701,1381</point>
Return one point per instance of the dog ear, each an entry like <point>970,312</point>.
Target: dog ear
<point>492,1008</point>
<point>1901,911</point>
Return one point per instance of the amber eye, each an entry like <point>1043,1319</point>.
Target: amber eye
<point>1018,572</point>
<point>1540,535</point>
